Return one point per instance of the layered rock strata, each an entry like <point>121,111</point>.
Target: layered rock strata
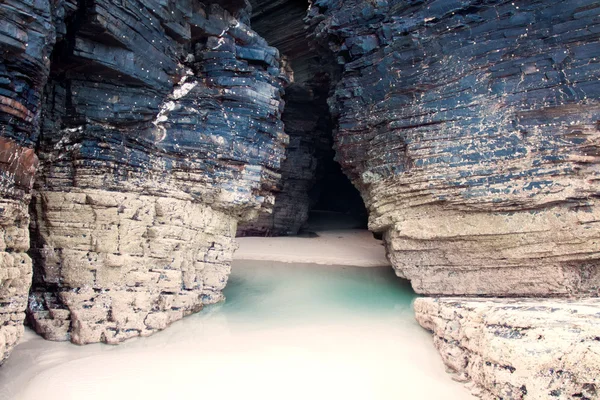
<point>281,23</point>
<point>518,348</point>
<point>162,128</point>
<point>17,167</point>
<point>26,39</point>
<point>305,117</point>
<point>126,264</point>
<point>306,122</point>
<point>472,132</point>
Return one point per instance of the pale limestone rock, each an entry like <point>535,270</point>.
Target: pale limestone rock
<point>119,265</point>
<point>17,168</point>
<point>15,272</point>
<point>523,348</point>
<point>546,251</point>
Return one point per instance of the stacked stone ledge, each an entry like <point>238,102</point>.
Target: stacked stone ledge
<point>471,131</point>
<point>518,348</point>
<point>26,38</point>
<point>126,264</point>
<point>145,171</point>
<point>480,170</point>
<point>161,129</point>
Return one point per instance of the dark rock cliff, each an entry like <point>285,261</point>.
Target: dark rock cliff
<point>161,128</point>
<point>281,23</point>
<point>311,179</point>
<point>471,129</point>
<point>306,122</point>
<point>26,39</point>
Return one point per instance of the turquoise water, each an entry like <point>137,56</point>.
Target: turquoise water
<point>286,331</point>
<point>303,292</point>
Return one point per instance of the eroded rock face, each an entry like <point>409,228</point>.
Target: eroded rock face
<point>126,264</point>
<point>17,166</point>
<point>306,122</point>
<point>305,117</point>
<point>472,132</point>
<point>162,128</point>
<point>518,349</point>
<point>26,39</point>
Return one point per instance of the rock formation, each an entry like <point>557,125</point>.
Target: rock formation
<point>281,24</point>
<point>26,39</point>
<point>161,128</point>
<point>471,130</point>
<point>512,349</point>
<point>306,130</point>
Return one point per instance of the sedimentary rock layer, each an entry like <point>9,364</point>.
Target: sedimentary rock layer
<point>518,348</point>
<point>26,39</point>
<point>15,272</point>
<point>162,128</point>
<point>306,122</point>
<point>281,23</point>
<point>17,167</point>
<point>126,264</point>
<point>471,129</point>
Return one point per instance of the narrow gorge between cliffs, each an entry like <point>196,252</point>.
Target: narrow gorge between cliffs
<point>300,199</point>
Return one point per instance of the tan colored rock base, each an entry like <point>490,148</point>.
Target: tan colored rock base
<point>548,251</point>
<point>119,265</point>
<point>518,348</point>
<point>15,272</point>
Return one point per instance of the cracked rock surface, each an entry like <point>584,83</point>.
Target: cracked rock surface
<point>162,128</point>
<point>124,264</point>
<point>518,348</point>
<point>471,129</point>
<point>26,39</point>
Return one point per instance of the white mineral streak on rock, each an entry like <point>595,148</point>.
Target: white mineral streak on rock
<point>181,90</point>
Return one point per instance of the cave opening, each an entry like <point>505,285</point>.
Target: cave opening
<point>315,194</point>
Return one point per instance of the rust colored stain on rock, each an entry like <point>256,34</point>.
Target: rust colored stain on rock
<point>18,161</point>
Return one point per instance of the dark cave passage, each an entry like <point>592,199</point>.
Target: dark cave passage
<point>313,184</point>
<point>334,193</point>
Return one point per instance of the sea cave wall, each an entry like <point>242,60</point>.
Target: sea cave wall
<point>472,130</point>
<point>306,118</point>
<point>306,121</point>
<point>136,135</point>
<point>158,127</point>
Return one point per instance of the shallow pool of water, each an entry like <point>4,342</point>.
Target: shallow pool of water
<point>286,331</point>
